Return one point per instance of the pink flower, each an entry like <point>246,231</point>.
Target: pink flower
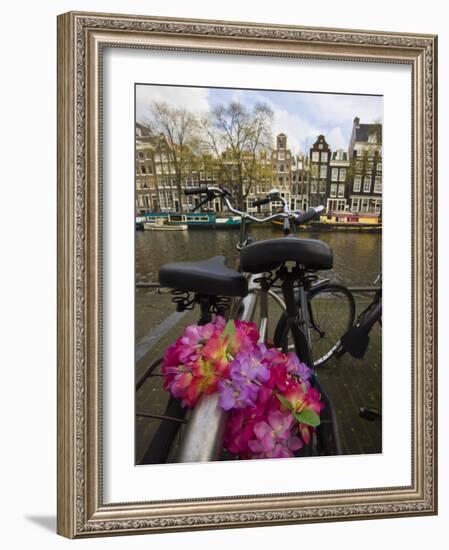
<point>268,433</point>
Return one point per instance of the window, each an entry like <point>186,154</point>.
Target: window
<point>315,156</point>
<point>141,156</point>
<point>281,180</point>
<point>314,170</point>
<point>313,187</point>
<point>333,190</point>
<point>369,166</point>
<point>320,146</point>
<point>336,205</point>
<point>281,155</point>
<point>334,174</point>
<point>323,156</point>
<point>357,183</point>
<point>378,184</point>
<point>281,168</point>
<point>149,169</point>
<point>379,166</point>
<point>341,190</point>
<point>367,184</point>
<point>148,155</point>
<point>322,187</point>
<point>323,171</point>
<point>377,206</point>
<point>342,174</point>
<point>143,169</point>
<point>355,204</point>
<point>364,206</point>
<point>359,165</point>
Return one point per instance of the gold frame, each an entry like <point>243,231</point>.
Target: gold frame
<point>81,37</point>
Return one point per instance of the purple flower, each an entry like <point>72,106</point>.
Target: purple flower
<point>248,367</point>
<point>296,368</point>
<point>235,395</point>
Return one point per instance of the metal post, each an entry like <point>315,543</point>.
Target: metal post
<point>203,436</point>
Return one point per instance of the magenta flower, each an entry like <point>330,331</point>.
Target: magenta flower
<point>272,407</point>
<point>269,433</point>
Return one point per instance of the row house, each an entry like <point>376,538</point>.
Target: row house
<point>282,163</point>
<point>319,169</point>
<point>365,154</point>
<point>300,183</point>
<point>337,188</point>
<point>156,181</point>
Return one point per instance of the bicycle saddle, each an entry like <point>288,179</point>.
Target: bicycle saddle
<point>270,254</point>
<point>209,277</point>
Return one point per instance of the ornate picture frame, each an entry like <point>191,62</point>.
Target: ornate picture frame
<point>82,38</point>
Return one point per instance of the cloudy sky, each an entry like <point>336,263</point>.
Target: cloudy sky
<point>300,115</point>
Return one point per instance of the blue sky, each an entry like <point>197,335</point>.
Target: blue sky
<point>300,115</point>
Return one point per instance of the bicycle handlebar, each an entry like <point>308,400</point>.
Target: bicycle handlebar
<point>213,192</point>
<point>260,202</point>
<point>196,191</point>
<point>309,215</point>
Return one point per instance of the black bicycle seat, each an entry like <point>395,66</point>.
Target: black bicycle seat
<point>207,277</point>
<point>272,253</point>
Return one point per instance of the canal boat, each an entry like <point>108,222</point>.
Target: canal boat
<point>164,226</point>
<point>227,222</point>
<point>191,219</point>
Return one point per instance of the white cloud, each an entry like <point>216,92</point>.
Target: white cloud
<point>339,109</point>
<point>336,139</point>
<point>193,99</point>
<point>299,132</point>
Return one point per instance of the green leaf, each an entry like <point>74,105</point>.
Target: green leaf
<point>307,416</point>
<point>285,402</point>
<point>229,330</point>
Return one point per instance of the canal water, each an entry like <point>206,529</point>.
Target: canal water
<point>357,256</point>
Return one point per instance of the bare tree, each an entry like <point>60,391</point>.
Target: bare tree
<point>236,136</point>
<point>179,128</point>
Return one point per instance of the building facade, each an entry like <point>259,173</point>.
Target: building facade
<point>365,154</point>
<point>337,187</point>
<point>342,181</point>
<point>319,168</point>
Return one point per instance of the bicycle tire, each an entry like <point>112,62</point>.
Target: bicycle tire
<point>327,327</point>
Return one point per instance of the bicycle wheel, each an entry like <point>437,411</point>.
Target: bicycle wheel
<point>331,311</point>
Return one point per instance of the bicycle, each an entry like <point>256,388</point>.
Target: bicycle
<point>356,339</point>
<point>213,284</point>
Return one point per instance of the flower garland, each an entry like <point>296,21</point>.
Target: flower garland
<point>273,408</point>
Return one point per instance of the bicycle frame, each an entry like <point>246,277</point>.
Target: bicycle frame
<point>203,435</point>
